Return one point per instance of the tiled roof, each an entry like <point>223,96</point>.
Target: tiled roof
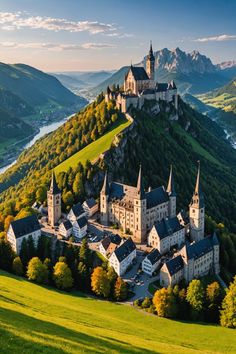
<point>156,196</point>
<point>198,249</point>
<point>154,256</point>
<point>167,227</point>
<point>91,202</point>
<point>67,224</point>
<point>77,209</point>
<point>81,222</point>
<point>25,226</point>
<point>139,73</point>
<point>116,239</point>
<point>125,249</point>
<point>175,265</point>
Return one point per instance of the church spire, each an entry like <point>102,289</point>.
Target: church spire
<point>197,186</point>
<point>170,187</point>
<point>150,55</point>
<point>54,189</point>
<point>105,187</point>
<point>140,183</point>
<point>198,197</point>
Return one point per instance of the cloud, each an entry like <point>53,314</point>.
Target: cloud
<point>18,20</point>
<point>220,38</point>
<point>56,47</point>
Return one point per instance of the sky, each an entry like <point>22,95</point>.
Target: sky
<point>85,35</point>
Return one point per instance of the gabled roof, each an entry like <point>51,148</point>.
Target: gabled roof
<point>81,222</point>
<point>175,265</point>
<point>115,239</point>
<point>198,249</point>
<point>77,209</point>
<point>154,256</point>
<point>91,202</point>
<point>139,73</point>
<point>67,224</point>
<point>25,226</point>
<point>125,249</point>
<point>156,196</point>
<point>168,226</point>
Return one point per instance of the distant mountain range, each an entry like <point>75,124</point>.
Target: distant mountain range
<point>194,73</point>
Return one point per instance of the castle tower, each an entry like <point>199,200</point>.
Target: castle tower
<point>54,202</point>
<point>150,64</point>
<point>172,195</point>
<point>197,211</point>
<point>140,205</point>
<point>104,194</point>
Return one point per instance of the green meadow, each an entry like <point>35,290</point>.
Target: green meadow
<point>92,151</point>
<point>37,319</point>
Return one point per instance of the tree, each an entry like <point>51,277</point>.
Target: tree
<point>41,194</point>
<point>112,276</point>
<point>24,252</point>
<point>68,199</point>
<point>228,313</point>
<point>84,253</point>
<point>120,291</point>
<point>146,303</point>
<point>62,276</point>
<point>164,302</point>
<point>214,298</point>
<point>100,283</point>
<point>6,254</point>
<point>37,271</point>
<point>17,266</point>
<point>31,247</point>
<point>7,222</point>
<point>195,296</point>
<point>82,276</point>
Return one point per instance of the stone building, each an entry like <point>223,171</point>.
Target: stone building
<point>133,209</point>
<point>140,85</point>
<point>54,202</point>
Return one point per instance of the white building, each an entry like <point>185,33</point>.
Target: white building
<point>109,244</point>
<point>76,212</point>
<point>151,262</point>
<point>193,261</point>
<point>80,227</point>
<point>123,256</point>
<point>65,229</point>
<point>166,234</point>
<point>22,229</point>
<point>90,206</point>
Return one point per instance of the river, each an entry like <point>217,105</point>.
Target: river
<point>42,131</point>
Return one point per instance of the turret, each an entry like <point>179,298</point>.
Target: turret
<point>104,205</point>
<point>172,195</point>
<point>54,202</point>
<point>197,211</point>
<point>150,64</point>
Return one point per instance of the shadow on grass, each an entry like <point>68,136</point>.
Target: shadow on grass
<point>31,335</point>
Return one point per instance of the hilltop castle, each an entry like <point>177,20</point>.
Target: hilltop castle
<point>137,211</point>
<point>140,85</point>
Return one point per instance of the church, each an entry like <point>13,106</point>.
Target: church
<point>140,85</point>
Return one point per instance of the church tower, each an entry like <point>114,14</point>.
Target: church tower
<point>140,205</point>
<point>104,205</point>
<point>172,195</point>
<point>54,202</point>
<point>197,211</point>
<point>150,64</point>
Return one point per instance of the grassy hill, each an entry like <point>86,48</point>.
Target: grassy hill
<point>92,151</point>
<point>37,319</point>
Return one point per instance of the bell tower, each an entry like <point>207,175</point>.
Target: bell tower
<point>197,211</point>
<point>150,64</point>
<point>172,195</point>
<point>140,206</point>
<point>54,202</point>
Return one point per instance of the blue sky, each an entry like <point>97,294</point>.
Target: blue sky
<point>67,35</point>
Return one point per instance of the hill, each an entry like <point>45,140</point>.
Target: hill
<point>49,321</point>
<point>117,78</point>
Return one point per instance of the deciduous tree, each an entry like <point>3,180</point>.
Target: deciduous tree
<point>228,313</point>
<point>17,266</point>
<point>100,283</point>
<point>62,276</point>
<point>37,271</point>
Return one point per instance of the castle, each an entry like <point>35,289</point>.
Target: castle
<point>140,85</point>
<point>136,211</point>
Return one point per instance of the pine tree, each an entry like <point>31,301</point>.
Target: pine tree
<point>17,266</point>
<point>6,254</point>
<point>24,253</point>
<point>84,253</point>
<point>31,247</point>
<point>121,290</point>
<point>228,313</point>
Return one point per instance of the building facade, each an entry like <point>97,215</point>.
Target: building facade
<point>151,262</point>
<point>140,85</point>
<point>123,256</point>
<point>132,208</point>
<point>54,202</point>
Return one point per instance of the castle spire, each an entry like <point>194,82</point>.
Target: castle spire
<point>140,183</point>
<point>105,187</point>
<point>170,187</point>
<point>54,189</point>
<point>197,186</point>
<point>198,197</point>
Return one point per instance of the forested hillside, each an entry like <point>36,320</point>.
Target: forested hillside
<point>154,140</point>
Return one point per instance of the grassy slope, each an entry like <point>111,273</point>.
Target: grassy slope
<point>93,150</point>
<point>35,319</point>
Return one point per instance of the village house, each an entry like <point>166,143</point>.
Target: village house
<point>90,206</point>
<point>23,229</point>
<point>76,212</point>
<point>80,227</point>
<point>172,272</point>
<point>123,256</point>
<point>65,229</point>
<point>151,262</point>
<point>166,234</point>
<point>109,244</point>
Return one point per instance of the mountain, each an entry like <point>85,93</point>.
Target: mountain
<point>156,141</point>
<point>226,65</point>
<point>193,72</point>
<point>70,82</point>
